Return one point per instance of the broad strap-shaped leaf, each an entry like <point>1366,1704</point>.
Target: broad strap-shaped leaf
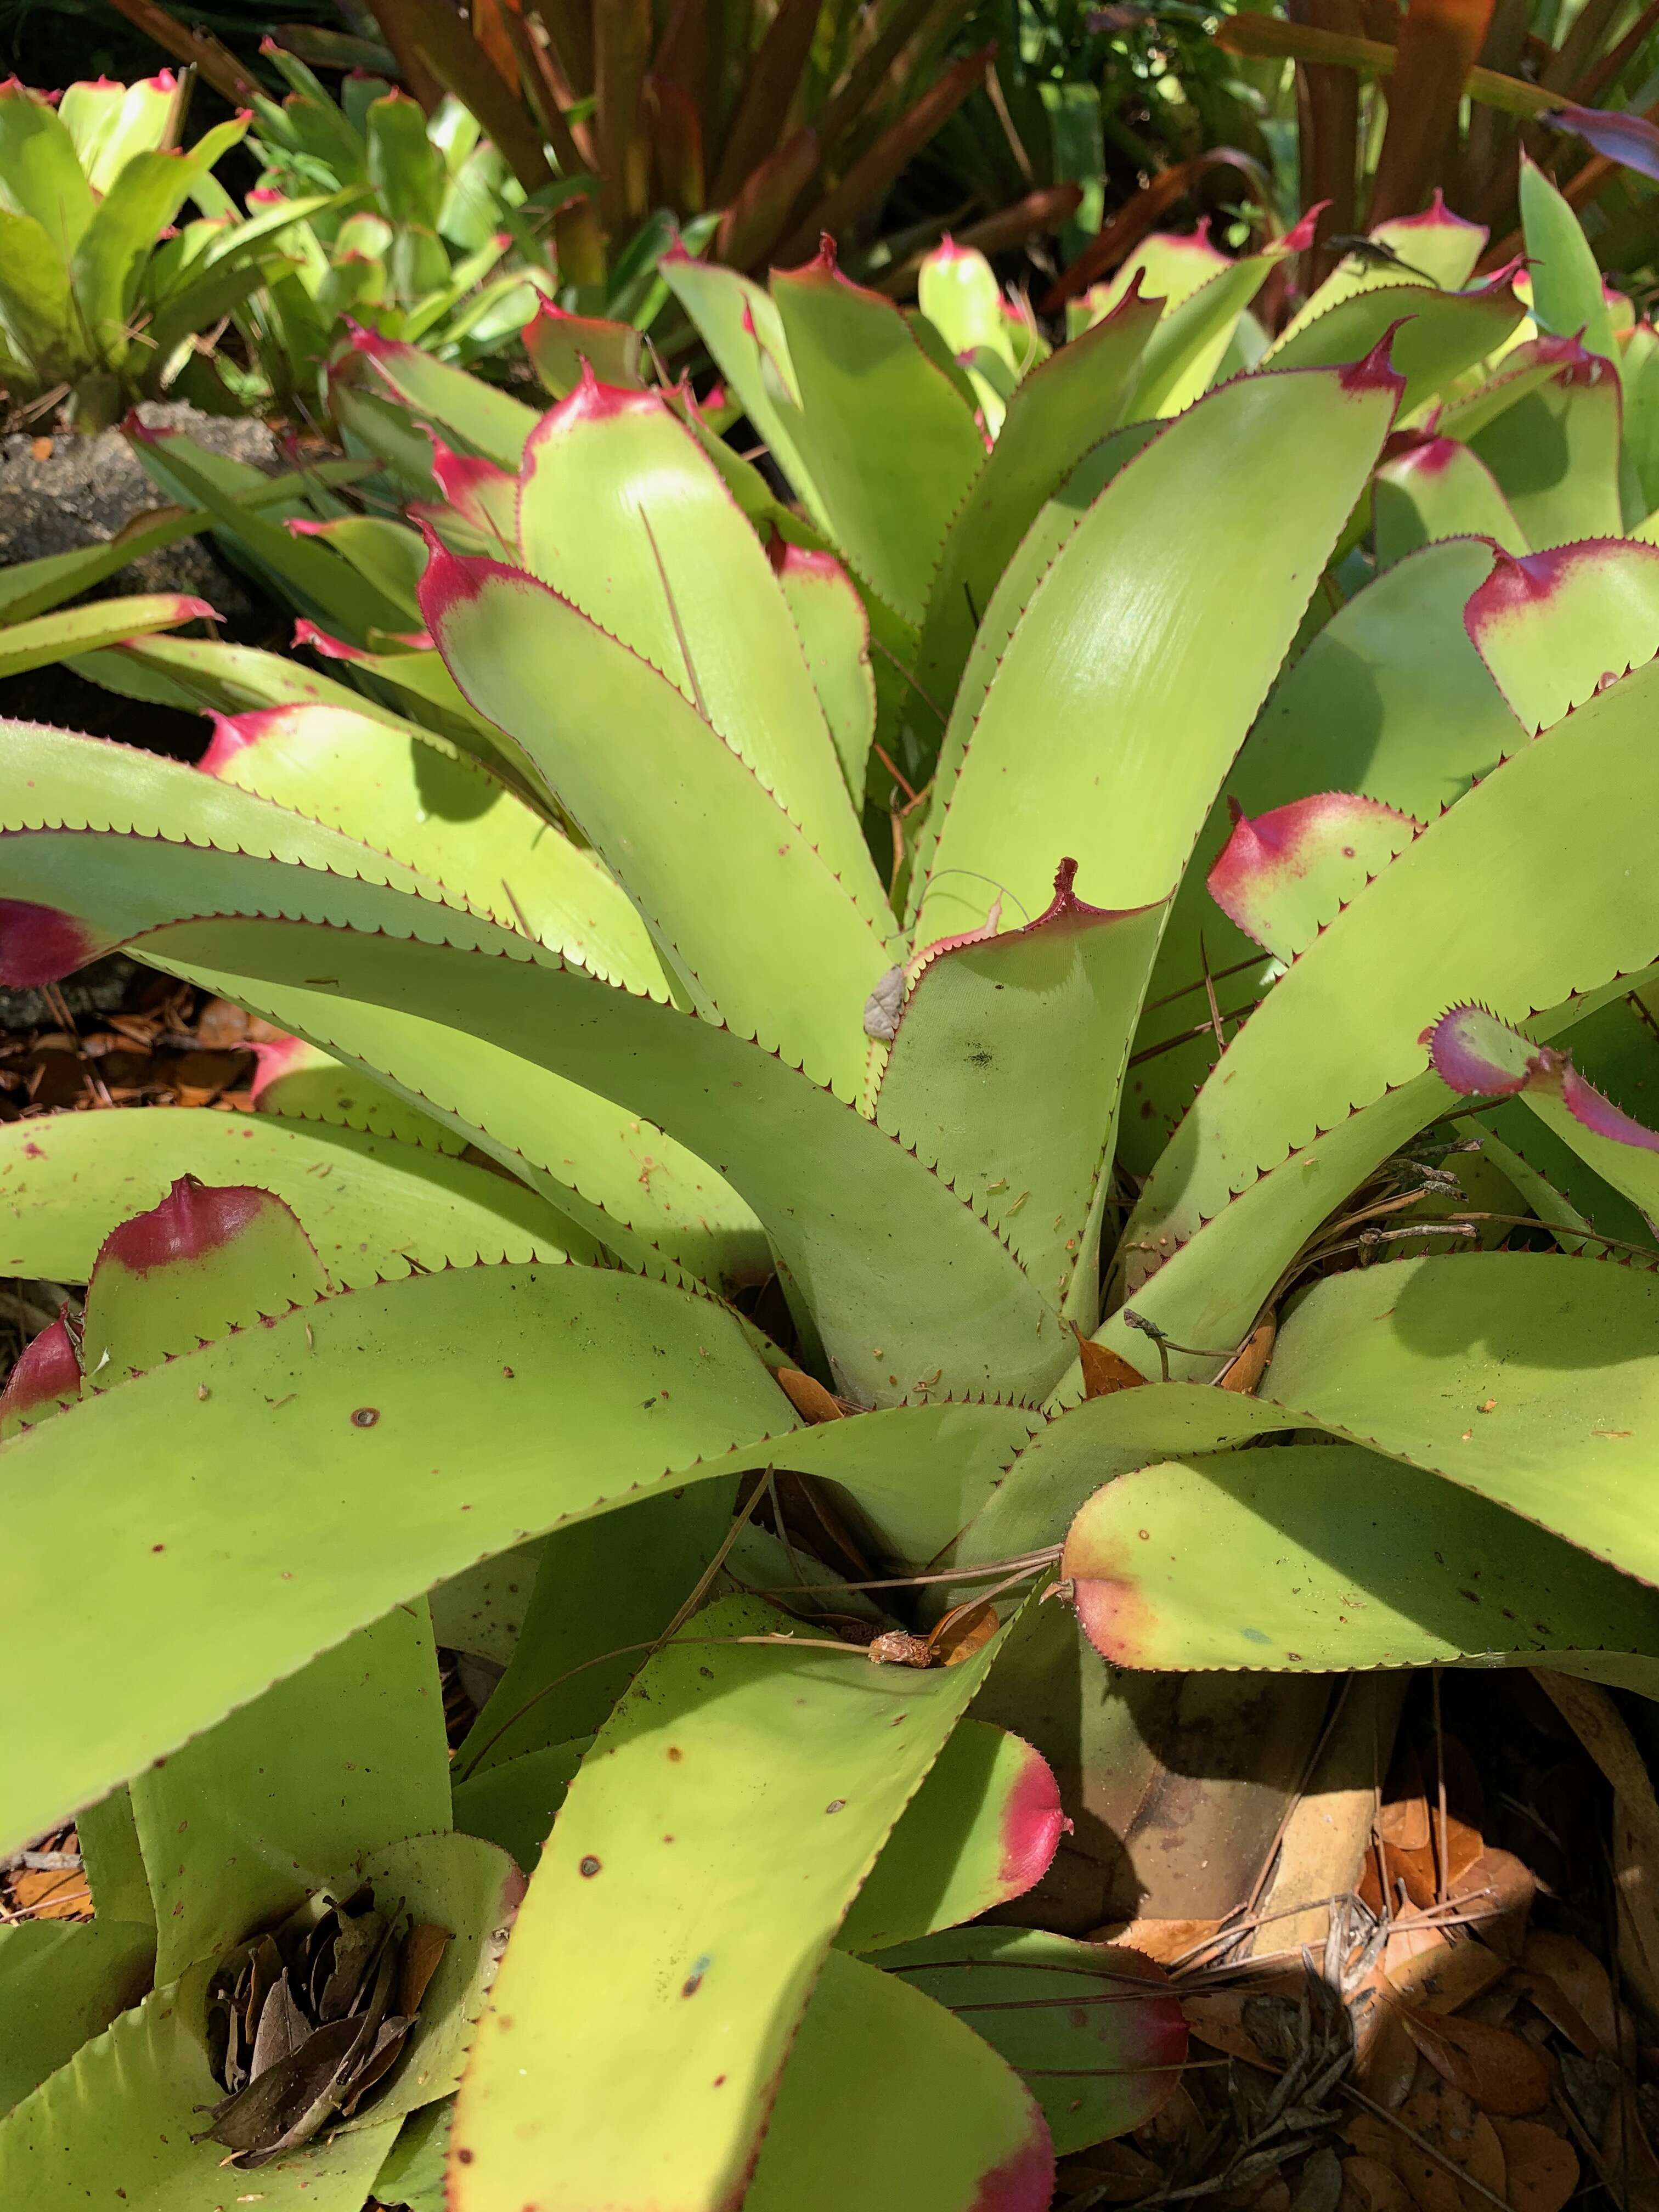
<point>1473,1052</point>
<point>622,514</point>
<point>1327,1558</point>
<point>479,416</point>
<point>886,441</point>
<point>1094,2029</point>
<point>515,1804</point>
<point>1565,907</point>
<point>46,638</point>
<point>656,1949</point>
<point>1094,704</point>
<point>409,794</point>
<point>604,1590</point>
<point>896,1249</point>
<point>1065,1462</point>
<point>1568,299</point>
<point>202,675</point>
<point>325,584</point>
<point>1390,700</point>
<point>561,345</point>
<point>131,2102</point>
<point>345,1756</point>
<point>882,2080</point>
<point>61,1984</point>
<point>1555,629</point>
<point>1283,876</point>
<point>299,1082</point>
<point>1562,1348</point>
<point>916,1475</point>
<point>430,694</point>
<point>981,1830</point>
<point>200,1262</point>
<point>30,588</point>
<point>43,173</point>
<point>111,253</point>
<point>1190,346</point>
<point>372,1208</point>
<point>1006,1070</point>
<point>526,1396</point>
<point>834,628</point>
<point>1437,487</point>
<point>1057,413</point>
<point>743,907</point>
<point>1554,452</point>
<point>1441,334</point>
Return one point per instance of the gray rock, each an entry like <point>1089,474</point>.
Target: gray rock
<point>85,489</point>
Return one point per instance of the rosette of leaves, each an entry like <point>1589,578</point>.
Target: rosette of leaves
<point>100,302</point>
<point>684,1133</point>
<point>413,227</point>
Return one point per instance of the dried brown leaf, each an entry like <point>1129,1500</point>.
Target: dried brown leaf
<point>1500,2070</point>
<point>1542,2166</point>
<point>1373,2186</point>
<point>1580,1977</point>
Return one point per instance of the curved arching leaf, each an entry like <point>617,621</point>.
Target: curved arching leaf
<point>650,1895</point>
<point>1554,628</point>
<point>1327,1558</point>
<point>882,2080</point>
<point>524,1396</point>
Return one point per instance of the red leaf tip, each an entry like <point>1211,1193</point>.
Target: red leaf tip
<point>40,945</point>
<point>1375,372</point>
<point>1300,237</point>
<point>49,1369</point>
<point>193,1219</point>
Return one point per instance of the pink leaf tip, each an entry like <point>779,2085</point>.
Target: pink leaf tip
<point>1376,372</point>
<point>40,945</point>
<point>1300,238</point>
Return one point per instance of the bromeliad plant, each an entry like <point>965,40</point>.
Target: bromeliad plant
<point>646,1156</point>
<point>100,303</point>
<point>400,222</point>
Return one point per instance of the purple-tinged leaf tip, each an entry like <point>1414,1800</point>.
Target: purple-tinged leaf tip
<point>193,1219</point>
<point>1594,1111</point>
<point>1617,136</point>
<point>1478,1056</point>
<point>466,479</point>
<point>1033,1822</point>
<point>1299,238</point>
<point>47,1371</point>
<point>1025,2182</point>
<point>40,945</point>
<point>307,632</point>
<point>1375,372</point>
<point>1417,453</point>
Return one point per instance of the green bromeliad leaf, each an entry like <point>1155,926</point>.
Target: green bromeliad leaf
<point>1438,489</point>
<point>1441,334</point>
<point>1554,628</point>
<point>408,793</point>
<point>1056,415</point>
<point>346,1755</point>
<point>1475,1052</point>
<point>1528,1377</point>
<point>526,1395</point>
<point>372,1208</point>
<point>1006,1072</point>
<point>516,1804</point>
<point>981,1830</point>
<point>131,2102</point>
<point>882,2080</point>
<point>1094,2029</point>
<point>1327,1558</point>
<point>791,953</point>
<point>1182,692</point>
<point>202,1261</point>
<point>621,513</point>
<point>650,1894</point>
<point>61,1984</point>
<point>1420,942</point>
<point>1555,450</point>
<point>834,628</point>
